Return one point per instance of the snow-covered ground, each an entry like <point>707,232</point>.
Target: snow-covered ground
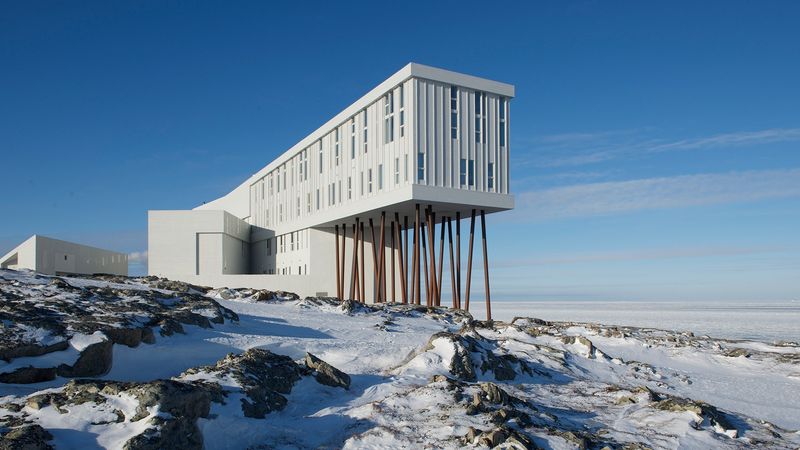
<point>424,379</point>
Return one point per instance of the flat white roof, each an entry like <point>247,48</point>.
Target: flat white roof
<point>411,70</point>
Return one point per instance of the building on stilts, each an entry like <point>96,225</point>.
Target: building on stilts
<point>369,207</point>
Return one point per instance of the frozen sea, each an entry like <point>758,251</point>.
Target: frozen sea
<point>767,321</point>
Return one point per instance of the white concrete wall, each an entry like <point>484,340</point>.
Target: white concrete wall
<point>54,256</point>
<point>184,243</point>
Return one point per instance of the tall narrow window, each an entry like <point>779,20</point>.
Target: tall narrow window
<point>361,185</point>
<point>336,146</point>
<point>317,199</point>
<point>478,115</point>
<point>349,188</point>
<point>502,122</point>
<point>453,112</point>
<point>490,178</point>
<point>305,162</point>
<point>278,175</point>
<point>340,191</point>
<point>320,156</point>
<point>369,181</point>
<point>463,171</point>
<point>421,166</point>
<point>388,118</point>
<point>397,171</point>
<point>405,167</point>
<point>298,207</point>
<point>365,131</point>
<point>380,177</point>
<point>353,138</point>
<point>402,111</point>
<point>471,172</point>
<point>308,202</point>
<point>284,177</point>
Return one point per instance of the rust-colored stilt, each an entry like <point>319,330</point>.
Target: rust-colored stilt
<point>374,263</point>
<point>469,258</point>
<point>425,267</point>
<point>431,222</point>
<point>417,269</point>
<point>406,255</point>
<point>391,257</point>
<point>338,269</point>
<point>486,269</point>
<point>441,264</point>
<point>401,261</point>
<point>363,272</point>
<point>458,259</point>
<point>354,271</point>
<point>452,268</point>
<point>382,262</point>
<point>344,251</point>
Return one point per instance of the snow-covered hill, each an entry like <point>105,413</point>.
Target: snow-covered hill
<point>148,363</point>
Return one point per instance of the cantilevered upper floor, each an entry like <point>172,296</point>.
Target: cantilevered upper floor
<point>425,135</point>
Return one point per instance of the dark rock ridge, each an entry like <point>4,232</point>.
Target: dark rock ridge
<point>40,316</point>
<point>327,374</point>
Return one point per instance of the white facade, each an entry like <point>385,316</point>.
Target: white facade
<point>425,136</point>
<point>56,257</point>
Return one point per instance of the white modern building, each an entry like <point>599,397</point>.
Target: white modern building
<point>56,257</point>
<point>423,150</point>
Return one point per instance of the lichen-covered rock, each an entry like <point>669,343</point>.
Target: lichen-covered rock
<point>327,374</point>
<point>28,375</point>
<point>26,437</point>
<point>94,360</point>
<point>264,377</point>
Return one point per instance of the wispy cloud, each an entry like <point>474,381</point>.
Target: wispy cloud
<point>595,199</point>
<point>575,149</point>
<point>638,255</point>
<point>137,257</point>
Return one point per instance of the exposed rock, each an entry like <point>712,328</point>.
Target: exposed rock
<point>26,437</point>
<point>263,376</point>
<point>263,296</point>
<point>28,375</point>
<point>508,438</point>
<point>737,352</point>
<point>16,349</point>
<point>95,360</point>
<point>327,374</point>
<point>130,337</point>
<point>170,327</point>
<point>701,409</point>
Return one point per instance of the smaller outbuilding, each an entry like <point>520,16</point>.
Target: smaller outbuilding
<point>56,257</point>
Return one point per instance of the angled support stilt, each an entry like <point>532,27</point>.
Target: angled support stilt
<point>469,258</point>
<point>486,269</point>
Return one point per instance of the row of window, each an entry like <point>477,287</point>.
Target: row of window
<point>480,116</point>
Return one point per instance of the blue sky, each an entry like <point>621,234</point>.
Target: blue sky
<point>655,145</point>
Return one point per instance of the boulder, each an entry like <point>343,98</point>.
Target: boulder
<point>13,350</point>
<point>95,360</point>
<point>28,375</point>
<point>26,437</point>
<point>327,374</point>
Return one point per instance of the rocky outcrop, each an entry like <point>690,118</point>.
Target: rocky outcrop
<point>28,375</point>
<point>26,437</point>
<point>702,410</point>
<point>94,360</point>
<point>16,348</point>
<point>326,374</point>
<point>503,437</point>
<point>38,319</point>
<point>264,378</point>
